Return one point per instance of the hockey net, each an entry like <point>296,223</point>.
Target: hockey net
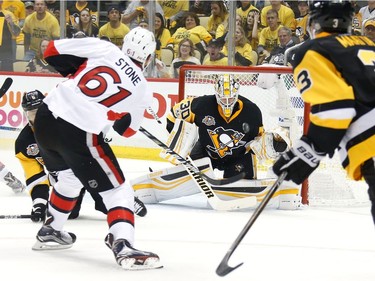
<point>274,91</point>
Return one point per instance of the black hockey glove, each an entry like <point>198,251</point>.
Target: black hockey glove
<point>121,125</point>
<point>38,212</point>
<point>299,162</point>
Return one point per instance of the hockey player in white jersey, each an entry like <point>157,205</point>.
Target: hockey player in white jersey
<point>106,88</point>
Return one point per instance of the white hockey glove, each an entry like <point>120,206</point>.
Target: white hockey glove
<point>270,144</point>
<point>10,180</point>
<point>181,140</point>
<point>299,162</point>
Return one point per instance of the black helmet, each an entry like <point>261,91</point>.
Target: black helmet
<point>333,16</point>
<point>32,100</point>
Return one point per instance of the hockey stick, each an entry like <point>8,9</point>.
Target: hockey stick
<point>5,87</point>
<point>180,158</point>
<point>223,268</point>
<point>189,162</point>
<point>15,217</point>
<point>202,181</point>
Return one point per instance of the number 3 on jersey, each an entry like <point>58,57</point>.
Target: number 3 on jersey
<point>96,74</point>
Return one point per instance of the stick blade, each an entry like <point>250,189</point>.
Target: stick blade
<point>5,87</point>
<point>223,268</point>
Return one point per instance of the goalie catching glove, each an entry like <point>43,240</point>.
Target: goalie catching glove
<point>181,140</point>
<point>270,144</point>
<point>299,162</point>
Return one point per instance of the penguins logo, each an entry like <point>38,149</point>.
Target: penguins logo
<point>224,141</point>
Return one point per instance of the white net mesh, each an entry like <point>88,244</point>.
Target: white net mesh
<point>274,91</point>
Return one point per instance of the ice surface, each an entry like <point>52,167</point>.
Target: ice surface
<point>333,244</point>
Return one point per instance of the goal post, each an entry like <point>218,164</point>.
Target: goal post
<point>273,89</point>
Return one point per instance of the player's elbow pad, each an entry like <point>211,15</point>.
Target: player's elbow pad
<point>121,126</point>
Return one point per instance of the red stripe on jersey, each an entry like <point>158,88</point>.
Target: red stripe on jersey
<point>120,214</point>
<point>61,203</point>
<point>107,160</point>
<point>128,132</point>
<point>51,50</point>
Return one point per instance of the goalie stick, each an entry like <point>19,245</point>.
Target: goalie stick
<point>223,268</point>
<point>5,87</point>
<point>202,181</point>
<point>6,217</point>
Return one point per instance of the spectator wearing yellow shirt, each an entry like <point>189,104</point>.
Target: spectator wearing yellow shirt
<point>285,14</point>
<point>162,34</point>
<point>243,10</point>
<point>222,29</point>
<point>173,10</point>
<point>17,7</point>
<point>191,30</point>
<point>243,51</point>
<point>268,38</point>
<point>214,53</point>
<point>219,14</point>
<point>114,29</point>
<point>253,28</point>
<point>40,24</point>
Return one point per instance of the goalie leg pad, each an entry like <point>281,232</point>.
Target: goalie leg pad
<point>181,140</point>
<point>169,183</point>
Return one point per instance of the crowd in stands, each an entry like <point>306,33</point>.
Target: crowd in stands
<point>194,32</point>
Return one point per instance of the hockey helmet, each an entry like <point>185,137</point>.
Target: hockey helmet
<point>30,103</point>
<point>226,91</point>
<point>139,44</point>
<point>333,16</point>
<point>32,100</point>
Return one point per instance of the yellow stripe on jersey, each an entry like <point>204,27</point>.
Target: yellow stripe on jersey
<point>323,83</point>
<point>32,168</point>
<point>357,154</point>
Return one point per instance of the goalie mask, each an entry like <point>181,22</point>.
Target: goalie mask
<point>226,92</point>
<point>30,103</point>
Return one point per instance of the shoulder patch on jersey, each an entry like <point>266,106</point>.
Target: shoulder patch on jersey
<point>32,149</point>
<point>209,121</point>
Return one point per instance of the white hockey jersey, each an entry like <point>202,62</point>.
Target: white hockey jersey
<point>107,85</point>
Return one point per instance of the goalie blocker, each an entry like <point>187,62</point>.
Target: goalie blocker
<point>175,182</point>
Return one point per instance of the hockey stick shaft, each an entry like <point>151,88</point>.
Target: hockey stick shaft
<point>15,217</point>
<point>210,180</point>
<point>5,87</point>
<point>223,268</point>
<point>205,187</point>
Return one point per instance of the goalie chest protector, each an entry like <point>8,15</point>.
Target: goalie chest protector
<point>222,138</point>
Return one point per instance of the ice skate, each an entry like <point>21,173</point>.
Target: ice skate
<point>129,258</point>
<point>51,239</point>
<point>139,208</point>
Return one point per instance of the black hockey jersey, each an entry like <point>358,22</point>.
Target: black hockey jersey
<point>336,75</point>
<point>27,151</point>
<point>222,139</point>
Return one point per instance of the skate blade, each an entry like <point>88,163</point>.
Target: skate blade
<point>133,264</point>
<point>47,246</point>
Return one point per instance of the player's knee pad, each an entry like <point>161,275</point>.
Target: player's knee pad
<point>122,195</point>
<point>68,184</point>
